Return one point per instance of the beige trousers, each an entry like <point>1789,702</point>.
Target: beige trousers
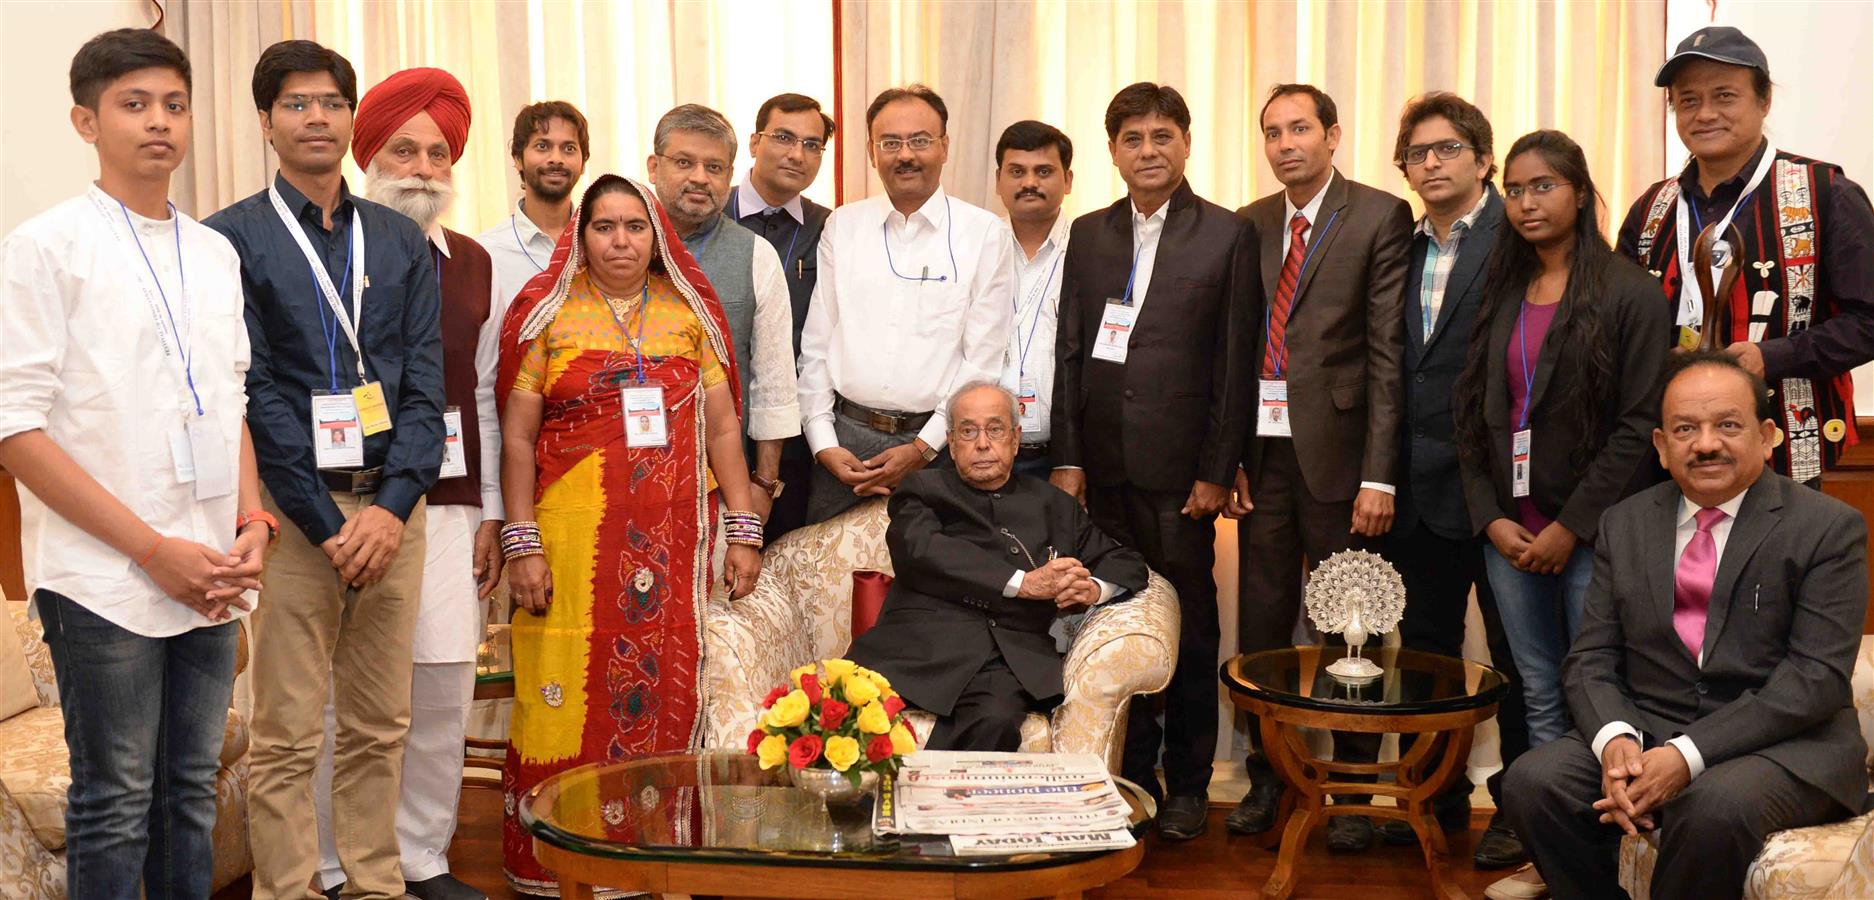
<point>315,639</point>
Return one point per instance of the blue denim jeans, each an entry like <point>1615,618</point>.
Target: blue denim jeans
<point>1541,615</point>
<point>144,719</point>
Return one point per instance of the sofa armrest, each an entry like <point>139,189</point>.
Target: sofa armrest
<point>38,655</point>
<point>749,647</point>
<point>1124,649</point>
<point>27,868</point>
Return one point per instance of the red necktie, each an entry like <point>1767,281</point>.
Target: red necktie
<point>1691,582</point>
<point>1277,351</point>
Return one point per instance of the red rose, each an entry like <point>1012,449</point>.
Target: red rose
<point>803,751</point>
<point>879,749</point>
<point>810,685</point>
<point>893,706</point>
<point>833,714</point>
<point>909,728</point>
<point>774,695</point>
<point>755,738</point>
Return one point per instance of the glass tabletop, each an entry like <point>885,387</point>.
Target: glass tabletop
<point>494,658</point>
<point>1411,682</point>
<point>720,806</point>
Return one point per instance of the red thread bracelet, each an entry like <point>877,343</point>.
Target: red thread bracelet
<point>152,554</point>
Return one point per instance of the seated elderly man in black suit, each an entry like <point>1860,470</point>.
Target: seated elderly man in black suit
<point>986,561</point>
<point>1710,680</point>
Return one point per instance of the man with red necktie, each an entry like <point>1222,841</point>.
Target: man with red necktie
<point>1710,682</point>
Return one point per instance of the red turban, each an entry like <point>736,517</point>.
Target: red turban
<point>386,107</point>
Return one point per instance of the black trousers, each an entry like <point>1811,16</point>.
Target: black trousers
<point>1439,573</point>
<point>1183,550</point>
<point>790,509</point>
<point>988,714</point>
<point>1288,532</point>
<point>1708,834</point>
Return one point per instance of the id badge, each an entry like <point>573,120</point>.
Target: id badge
<point>1519,464</point>
<point>337,435</point>
<point>1272,409</point>
<point>1115,332</point>
<point>1688,337</point>
<point>373,414</point>
<point>645,424</point>
<point>1028,402</point>
<point>454,458</point>
<point>208,452</point>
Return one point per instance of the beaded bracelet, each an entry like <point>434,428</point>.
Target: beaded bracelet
<point>520,539</point>
<point>743,528</point>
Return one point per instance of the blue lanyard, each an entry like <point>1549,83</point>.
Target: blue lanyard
<point>954,276</point>
<point>1126,298</point>
<point>330,327</point>
<point>188,370</point>
<point>644,304</point>
<point>516,228</point>
<point>1529,377</point>
<point>1038,297</point>
<point>1280,358</point>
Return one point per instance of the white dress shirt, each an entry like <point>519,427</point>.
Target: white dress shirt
<point>487,361</point>
<point>1037,312</point>
<point>519,249</point>
<point>749,202</point>
<point>1682,535</point>
<point>83,359</point>
<point>1146,230</point>
<point>878,336</point>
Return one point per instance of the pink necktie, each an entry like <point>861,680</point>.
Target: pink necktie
<point>1691,583</point>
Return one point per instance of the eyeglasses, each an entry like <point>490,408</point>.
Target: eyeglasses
<point>685,165</point>
<point>996,431</point>
<point>917,144</point>
<point>299,103</point>
<point>787,140</point>
<point>1540,188</point>
<point>1415,154</point>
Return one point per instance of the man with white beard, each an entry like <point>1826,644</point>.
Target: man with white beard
<point>408,133</point>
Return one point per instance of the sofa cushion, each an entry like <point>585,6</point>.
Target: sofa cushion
<point>1804,862</point>
<point>17,693</point>
<point>36,770</point>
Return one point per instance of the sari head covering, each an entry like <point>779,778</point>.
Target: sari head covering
<point>535,306</point>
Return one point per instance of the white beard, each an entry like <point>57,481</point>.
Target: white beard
<point>422,200</point>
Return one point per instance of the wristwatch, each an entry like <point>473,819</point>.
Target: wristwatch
<point>773,487</point>
<point>929,452</point>
<point>262,516</point>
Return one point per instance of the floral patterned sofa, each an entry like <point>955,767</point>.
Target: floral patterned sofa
<point>35,771</point>
<point>801,610</point>
<point>1834,861</point>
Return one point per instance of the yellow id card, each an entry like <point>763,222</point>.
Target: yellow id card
<point>1688,337</point>
<point>372,413</point>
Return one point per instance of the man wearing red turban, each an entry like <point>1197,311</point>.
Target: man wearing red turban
<point>408,133</point>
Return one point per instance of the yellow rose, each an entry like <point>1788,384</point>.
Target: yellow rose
<point>860,691</point>
<point>772,751</point>
<point>842,752</point>
<point>879,682</point>
<point>837,670</point>
<point>788,711</point>
<point>872,719</point>
<point>901,741</point>
<point>794,676</point>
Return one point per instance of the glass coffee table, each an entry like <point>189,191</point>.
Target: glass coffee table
<point>1439,698</point>
<point>716,823</point>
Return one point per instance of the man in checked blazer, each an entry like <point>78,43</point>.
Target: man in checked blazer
<point>1319,466</point>
<point>1709,683</point>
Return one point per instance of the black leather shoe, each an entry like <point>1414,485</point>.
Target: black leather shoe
<point>1256,812</point>
<point>1349,834</point>
<point>1451,810</point>
<point>1499,848</point>
<point>1182,818</point>
<point>442,887</point>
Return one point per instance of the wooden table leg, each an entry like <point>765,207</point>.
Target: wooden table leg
<point>573,890</point>
<point>1455,750</point>
<point>1300,814</point>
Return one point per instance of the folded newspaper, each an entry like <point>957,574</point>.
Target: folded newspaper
<point>999,803</point>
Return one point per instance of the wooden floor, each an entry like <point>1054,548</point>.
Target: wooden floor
<point>1213,867</point>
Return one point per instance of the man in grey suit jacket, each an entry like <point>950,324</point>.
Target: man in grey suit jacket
<point>1710,681</point>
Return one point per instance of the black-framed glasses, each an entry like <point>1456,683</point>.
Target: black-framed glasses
<point>918,144</point>
<point>299,103</point>
<point>996,431</point>
<point>788,139</point>
<point>1538,188</point>
<point>686,165</point>
<point>1415,154</point>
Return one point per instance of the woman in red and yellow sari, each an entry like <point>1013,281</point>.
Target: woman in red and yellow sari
<point>618,423</point>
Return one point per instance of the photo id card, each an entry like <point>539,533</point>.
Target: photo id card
<point>208,454</point>
<point>454,458</point>
<point>1519,463</point>
<point>645,424</point>
<point>1272,409</point>
<point>373,414</point>
<point>1115,332</point>
<point>337,435</point>
<point>1028,404</point>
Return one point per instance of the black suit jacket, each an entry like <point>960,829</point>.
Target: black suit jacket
<point>1780,635</point>
<point>1176,411</point>
<point>953,549</point>
<point>1346,334</point>
<point>1574,491</point>
<point>798,245</point>
<point>1431,487</point>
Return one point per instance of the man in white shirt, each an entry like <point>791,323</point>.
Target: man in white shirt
<point>1709,683</point>
<point>913,300</point>
<point>550,147</point>
<point>693,154</point>
<point>122,402</point>
<point>1034,174</point>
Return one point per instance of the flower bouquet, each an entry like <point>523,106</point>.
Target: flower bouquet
<point>833,722</point>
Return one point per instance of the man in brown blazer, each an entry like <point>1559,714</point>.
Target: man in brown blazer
<point>1151,391</point>
<point>1318,467</point>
